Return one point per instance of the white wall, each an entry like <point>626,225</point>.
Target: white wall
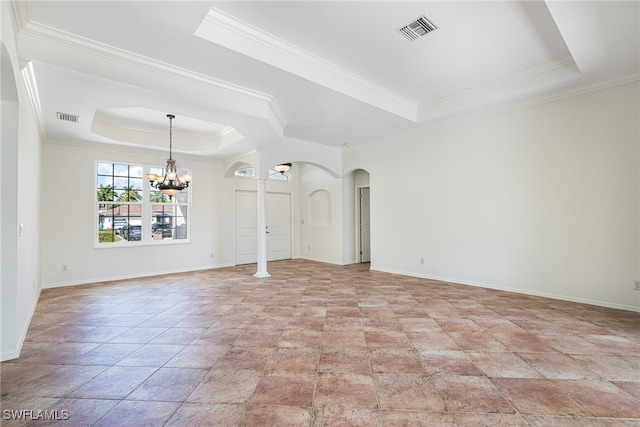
<point>20,198</point>
<point>69,219</point>
<point>543,200</point>
<point>321,210</point>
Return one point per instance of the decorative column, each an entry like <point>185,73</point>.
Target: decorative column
<point>262,230</point>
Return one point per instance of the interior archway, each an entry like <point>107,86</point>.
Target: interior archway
<point>362,187</point>
<point>9,210</point>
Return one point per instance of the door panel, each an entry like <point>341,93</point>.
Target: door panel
<point>278,226</point>
<point>246,223</point>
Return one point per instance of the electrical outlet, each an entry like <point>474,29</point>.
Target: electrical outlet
<point>65,267</point>
<point>210,254</point>
<point>636,285</point>
<point>422,261</point>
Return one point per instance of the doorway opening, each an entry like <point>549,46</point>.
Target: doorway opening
<point>365,224</point>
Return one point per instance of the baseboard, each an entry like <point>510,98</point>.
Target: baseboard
<point>514,290</point>
<point>131,276</point>
<point>15,353</point>
<point>325,261</point>
<point>8,355</point>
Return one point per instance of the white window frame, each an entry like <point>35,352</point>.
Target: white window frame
<point>146,214</point>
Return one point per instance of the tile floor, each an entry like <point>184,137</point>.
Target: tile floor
<point>320,345</point>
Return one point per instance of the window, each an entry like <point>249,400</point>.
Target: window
<point>249,172</point>
<point>169,217</point>
<point>130,212</point>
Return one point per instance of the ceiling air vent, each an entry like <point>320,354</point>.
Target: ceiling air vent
<point>65,117</point>
<point>417,28</point>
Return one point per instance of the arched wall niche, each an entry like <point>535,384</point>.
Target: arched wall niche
<point>319,202</point>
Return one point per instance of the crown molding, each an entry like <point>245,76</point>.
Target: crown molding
<point>116,149</point>
<point>31,86</point>
<point>92,47</point>
<point>497,90</point>
<point>20,13</point>
<point>533,101</point>
<point>311,144</point>
<point>225,30</point>
<point>160,131</point>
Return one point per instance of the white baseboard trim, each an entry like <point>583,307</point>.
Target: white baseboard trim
<point>131,276</point>
<point>325,261</point>
<point>11,354</point>
<point>514,290</point>
<point>15,352</point>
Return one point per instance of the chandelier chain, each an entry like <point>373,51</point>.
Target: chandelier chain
<point>169,183</point>
<point>171,117</point>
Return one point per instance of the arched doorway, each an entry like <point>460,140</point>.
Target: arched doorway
<point>362,215</point>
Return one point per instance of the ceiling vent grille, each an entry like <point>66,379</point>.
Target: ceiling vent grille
<point>65,117</point>
<point>417,28</point>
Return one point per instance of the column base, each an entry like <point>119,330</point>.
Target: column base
<point>261,275</point>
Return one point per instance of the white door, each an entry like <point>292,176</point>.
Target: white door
<point>278,226</point>
<point>365,226</point>
<point>246,227</point>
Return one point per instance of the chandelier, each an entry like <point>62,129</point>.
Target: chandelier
<point>169,183</point>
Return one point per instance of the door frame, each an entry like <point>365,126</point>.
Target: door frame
<point>358,242</point>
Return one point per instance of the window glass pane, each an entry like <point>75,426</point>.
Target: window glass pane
<point>181,222</point>
<point>158,197</point>
<point>103,181</point>
<point>181,197</point>
<point>168,222</point>
<point>136,183</point>
<point>161,222</point>
<point>108,236</point>
<point>120,183</point>
<point>136,171</point>
<point>105,193</point>
<point>105,168</point>
<point>129,195</point>
<point>245,171</point>
<point>110,222</point>
<point>121,195</point>
<point>117,222</point>
<point>121,170</point>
